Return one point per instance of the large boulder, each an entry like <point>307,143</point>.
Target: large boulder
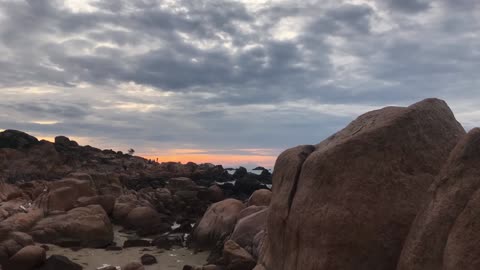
<point>445,234</point>
<point>145,221</point>
<point>217,222</point>
<point>83,226</point>
<point>27,258</point>
<point>348,202</point>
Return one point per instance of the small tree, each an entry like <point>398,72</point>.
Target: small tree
<point>131,151</point>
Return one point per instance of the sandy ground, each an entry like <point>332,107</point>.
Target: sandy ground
<point>91,259</point>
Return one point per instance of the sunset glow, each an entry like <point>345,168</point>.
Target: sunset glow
<point>226,160</point>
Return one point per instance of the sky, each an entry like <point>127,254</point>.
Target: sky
<point>228,82</point>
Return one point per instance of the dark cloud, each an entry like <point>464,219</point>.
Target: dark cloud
<point>223,74</point>
<point>412,6</point>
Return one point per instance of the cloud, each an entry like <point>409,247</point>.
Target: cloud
<point>226,75</point>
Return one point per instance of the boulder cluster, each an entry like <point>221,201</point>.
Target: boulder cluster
<point>397,189</point>
<point>71,196</point>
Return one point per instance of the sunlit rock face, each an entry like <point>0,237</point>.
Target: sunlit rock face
<point>348,202</point>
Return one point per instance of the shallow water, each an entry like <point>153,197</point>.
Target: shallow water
<point>91,259</point>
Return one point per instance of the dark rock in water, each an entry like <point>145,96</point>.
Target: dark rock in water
<point>207,175</point>
<point>265,177</point>
<point>259,169</point>
<point>348,202</point>
<point>148,259</point>
<point>56,262</point>
<point>247,185</point>
<point>16,139</point>
<point>136,243</point>
<point>240,173</point>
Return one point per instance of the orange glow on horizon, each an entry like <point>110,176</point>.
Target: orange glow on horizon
<point>266,161</point>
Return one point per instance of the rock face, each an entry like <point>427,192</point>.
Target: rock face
<point>83,226</point>
<point>348,202</point>
<point>444,235</point>
<point>218,221</point>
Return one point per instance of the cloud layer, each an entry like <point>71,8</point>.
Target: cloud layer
<point>228,75</point>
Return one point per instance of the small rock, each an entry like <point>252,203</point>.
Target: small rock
<point>148,259</point>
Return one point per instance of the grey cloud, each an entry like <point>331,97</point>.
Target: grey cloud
<point>411,6</point>
<point>232,80</point>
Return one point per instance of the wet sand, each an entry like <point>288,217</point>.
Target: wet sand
<point>91,259</point>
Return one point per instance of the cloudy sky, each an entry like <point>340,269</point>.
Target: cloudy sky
<point>231,82</point>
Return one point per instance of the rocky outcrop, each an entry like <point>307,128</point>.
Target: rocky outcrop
<point>444,235</point>
<point>16,139</point>
<point>218,221</point>
<point>83,227</point>
<point>348,202</point>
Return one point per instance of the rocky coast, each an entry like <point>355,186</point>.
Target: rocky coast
<point>396,189</point>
